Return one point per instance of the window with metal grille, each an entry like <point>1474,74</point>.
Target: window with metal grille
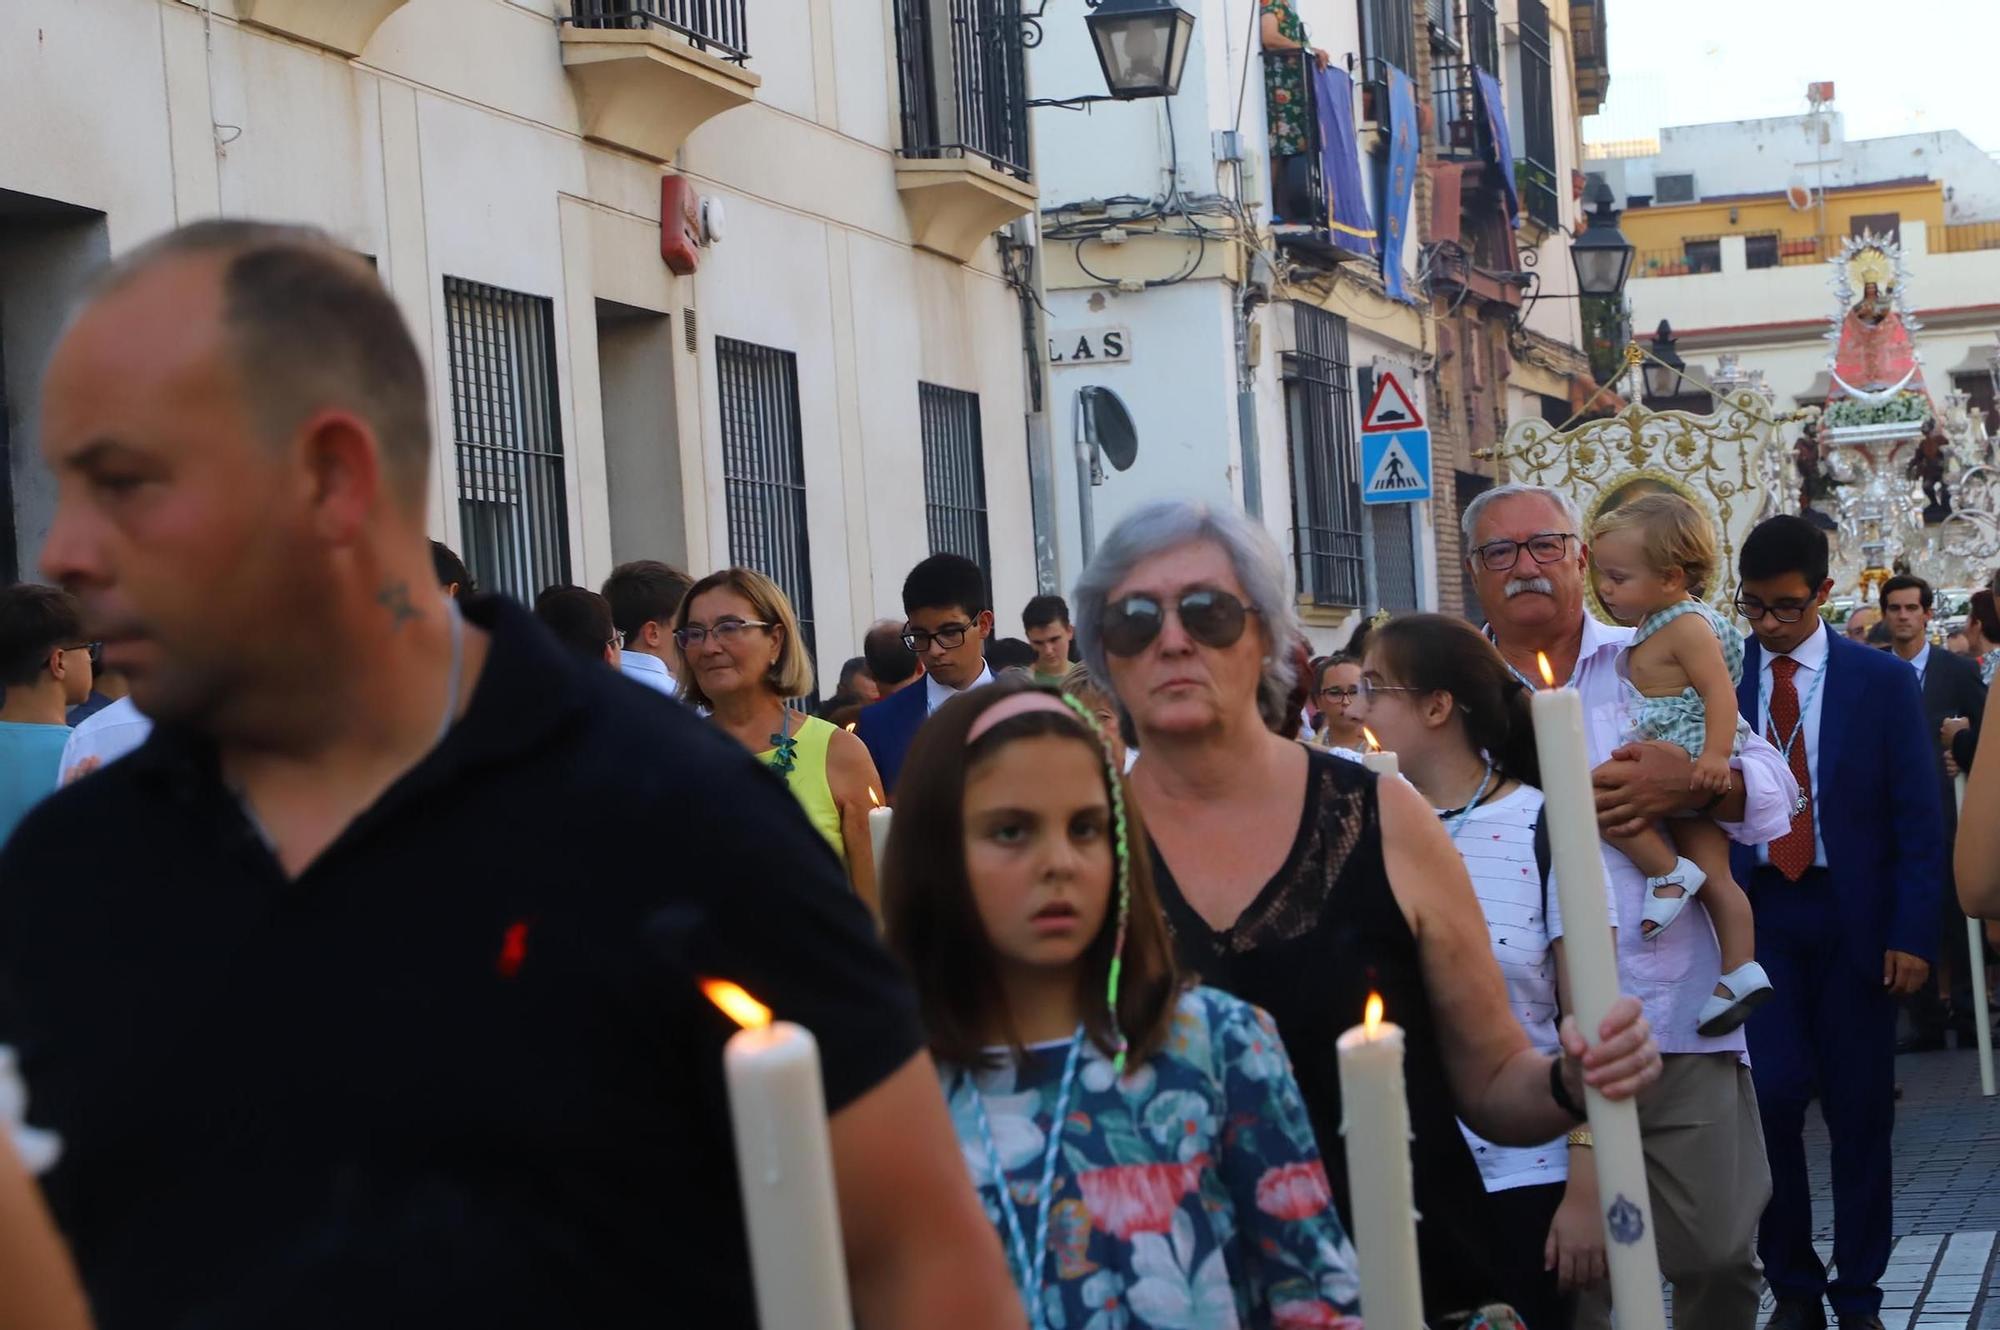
<point>1326,481</point>
<point>1387,36</point>
<point>1392,555</point>
<point>1535,169</point>
<point>962,71</point>
<point>764,470</point>
<point>513,515</point>
<point>954,475</point>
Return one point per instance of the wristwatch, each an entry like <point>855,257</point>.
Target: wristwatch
<point>1560,1092</point>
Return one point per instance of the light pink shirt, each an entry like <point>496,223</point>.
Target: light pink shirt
<point>1673,973</point>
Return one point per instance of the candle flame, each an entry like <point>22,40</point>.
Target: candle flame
<point>873,797</point>
<point>1548,675</point>
<point>1374,744</point>
<point>736,1004</point>
<point>1371,1019</point>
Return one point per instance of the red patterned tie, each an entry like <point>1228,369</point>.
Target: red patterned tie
<point>1791,853</point>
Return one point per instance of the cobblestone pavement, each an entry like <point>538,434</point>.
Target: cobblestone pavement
<point>1943,1270</point>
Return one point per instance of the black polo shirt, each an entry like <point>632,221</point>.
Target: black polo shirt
<point>458,1072</point>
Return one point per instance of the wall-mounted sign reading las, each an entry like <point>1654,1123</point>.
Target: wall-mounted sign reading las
<point>1110,345</point>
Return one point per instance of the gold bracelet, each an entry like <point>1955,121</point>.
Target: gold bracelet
<point>1581,1136</point>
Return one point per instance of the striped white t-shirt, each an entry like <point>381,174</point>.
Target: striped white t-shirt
<point>1497,843</point>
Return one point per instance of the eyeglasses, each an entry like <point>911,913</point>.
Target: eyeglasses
<point>950,637</point>
<point>728,632</point>
<point>1367,690</point>
<point>1754,609</point>
<point>1342,695</point>
<point>94,648</point>
<point>1548,547</point>
<point>1211,617</point>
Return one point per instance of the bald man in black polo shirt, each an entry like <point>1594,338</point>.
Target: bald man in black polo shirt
<point>347,1000</point>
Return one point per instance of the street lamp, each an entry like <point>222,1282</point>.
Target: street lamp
<point>1602,254</point>
<point>1142,45</point>
<point>1663,371</point>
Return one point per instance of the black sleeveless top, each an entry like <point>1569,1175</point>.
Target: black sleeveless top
<point>1322,935</point>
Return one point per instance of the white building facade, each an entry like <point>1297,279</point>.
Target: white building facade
<point>834,391</point>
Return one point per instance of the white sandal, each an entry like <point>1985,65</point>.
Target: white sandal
<point>1749,987</point>
<point>1661,911</point>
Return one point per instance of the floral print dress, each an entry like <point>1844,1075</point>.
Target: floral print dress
<point>1188,1194</point>
<point>1286,106</point>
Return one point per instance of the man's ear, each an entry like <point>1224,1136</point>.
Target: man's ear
<point>57,666</point>
<point>985,623</point>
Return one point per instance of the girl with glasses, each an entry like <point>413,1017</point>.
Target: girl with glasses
<point>745,663</point>
<point>1302,883</point>
<point>1140,1144</point>
<point>1655,556</point>
<point>1438,694</point>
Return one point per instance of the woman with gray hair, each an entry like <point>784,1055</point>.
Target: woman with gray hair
<point>1302,883</point>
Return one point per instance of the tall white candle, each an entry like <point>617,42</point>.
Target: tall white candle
<point>784,1166</point>
<point>1375,1130</point>
<point>879,819</point>
<point>1982,1020</point>
<point>1593,978</point>
<point>1375,759</point>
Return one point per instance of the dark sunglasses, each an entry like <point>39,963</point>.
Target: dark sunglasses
<point>1211,617</point>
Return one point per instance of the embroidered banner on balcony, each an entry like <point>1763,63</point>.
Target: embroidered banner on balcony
<point>1494,107</point>
<point>1399,181</point>
<point>1340,163</point>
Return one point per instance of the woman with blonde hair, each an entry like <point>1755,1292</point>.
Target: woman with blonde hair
<point>745,662</point>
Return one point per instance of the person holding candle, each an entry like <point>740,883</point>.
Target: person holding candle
<point>1336,680</point>
<point>1437,693</point>
<point>1302,882</point>
<point>1141,1145</point>
<point>744,661</point>
<point>1703,1141</point>
<point>1846,903</point>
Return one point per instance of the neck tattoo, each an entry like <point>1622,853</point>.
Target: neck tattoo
<point>395,598</point>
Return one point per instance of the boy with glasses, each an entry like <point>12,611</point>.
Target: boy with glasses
<point>947,619</point>
<point>45,668</point>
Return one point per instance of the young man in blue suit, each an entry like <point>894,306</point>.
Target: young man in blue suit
<point>1846,905</point>
<point>947,621</point>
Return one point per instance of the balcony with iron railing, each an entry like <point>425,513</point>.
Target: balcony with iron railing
<point>1455,118</point>
<point>963,167</point>
<point>648,72</point>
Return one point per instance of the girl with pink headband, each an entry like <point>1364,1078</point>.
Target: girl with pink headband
<point>1140,1144</point>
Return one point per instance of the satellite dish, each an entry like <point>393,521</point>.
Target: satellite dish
<point>1798,195</point>
<point>1107,425</point>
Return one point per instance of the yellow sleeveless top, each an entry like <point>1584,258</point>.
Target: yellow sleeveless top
<point>807,778</point>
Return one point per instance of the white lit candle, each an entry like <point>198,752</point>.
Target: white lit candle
<point>879,819</point>
<point>1375,1130</point>
<point>1592,960</point>
<point>1982,1021</point>
<point>1377,761</point>
<point>784,1166</point>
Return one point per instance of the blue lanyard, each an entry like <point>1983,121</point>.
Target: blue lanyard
<point>1457,824</point>
<point>1031,1261</point>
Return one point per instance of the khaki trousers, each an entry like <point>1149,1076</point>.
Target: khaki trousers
<point>1709,1181</point>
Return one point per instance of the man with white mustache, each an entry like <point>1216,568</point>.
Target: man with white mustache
<point>1703,1137</point>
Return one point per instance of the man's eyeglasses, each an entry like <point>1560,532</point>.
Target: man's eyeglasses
<point>950,637</point>
<point>1340,696</point>
<point>1548,547</point>
<point>95,649</point>
<point>1753,609</point>
<point>1210,616</point>
<point>729,632</point>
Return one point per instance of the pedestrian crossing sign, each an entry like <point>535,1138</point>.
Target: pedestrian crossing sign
<point>1396,468</point>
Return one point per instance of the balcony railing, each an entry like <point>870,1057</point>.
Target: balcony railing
<point>718,27</point>
<point>964,83</point>
<point>1455,111</point>
<point>1965,237</point>
<point>1298,179</point>
<point>1697,255</point>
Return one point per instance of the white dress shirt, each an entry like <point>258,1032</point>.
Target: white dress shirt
<point>936,694</point>
<point>1810,682</point>
<point>648,670</point>
<point>106,736</point>
<point>1921,662</point>
<point>1673,973</point>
